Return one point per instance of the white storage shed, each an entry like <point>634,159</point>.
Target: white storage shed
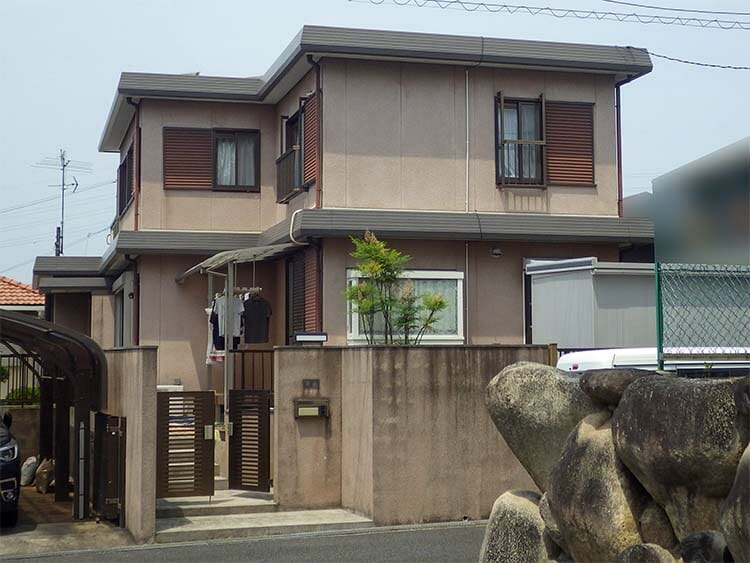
<point>584,303</point>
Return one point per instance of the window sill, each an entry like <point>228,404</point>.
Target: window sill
<point>521,186</point>
<point>240,189</point>
<point>571,185</point>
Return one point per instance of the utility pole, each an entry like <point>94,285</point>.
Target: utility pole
<point>61,231</point>
<point>63,163</point>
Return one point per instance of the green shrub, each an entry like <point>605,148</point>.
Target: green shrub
<point>26,394</point>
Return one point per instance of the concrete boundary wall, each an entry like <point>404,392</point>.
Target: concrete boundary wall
<point>131,392</point>
<point>409,438</point>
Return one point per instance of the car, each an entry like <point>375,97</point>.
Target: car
<point>10,473</point>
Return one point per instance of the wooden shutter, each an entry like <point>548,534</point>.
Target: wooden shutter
<point>310,136</point>
<point>188,159</point>
<point>569,131</point>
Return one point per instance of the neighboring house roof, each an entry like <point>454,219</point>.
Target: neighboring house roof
<point>316,41</point>
<point>14,292</point>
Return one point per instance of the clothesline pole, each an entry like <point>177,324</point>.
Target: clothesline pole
<point>229,321</point>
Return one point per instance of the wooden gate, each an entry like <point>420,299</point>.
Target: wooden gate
<point>249,443</point>
<point>184,444</point>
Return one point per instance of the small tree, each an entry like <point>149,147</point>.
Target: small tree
<point>381,293</point>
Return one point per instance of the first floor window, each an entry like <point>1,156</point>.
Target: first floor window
<point>449,327</point>
<point>237,159</point>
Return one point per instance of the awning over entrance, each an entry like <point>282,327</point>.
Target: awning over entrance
<point>239,256</point>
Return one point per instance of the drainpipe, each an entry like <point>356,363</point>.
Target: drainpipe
<point>466,209</point>
<point>137,143</point>
<point>319,157</point>
<point>618,119</point>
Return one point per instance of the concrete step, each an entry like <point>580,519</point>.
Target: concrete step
<point>222,503</point>
<point>201,528</point>
<point>221,483</point>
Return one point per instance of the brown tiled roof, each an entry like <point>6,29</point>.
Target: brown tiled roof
<point>14,292</point>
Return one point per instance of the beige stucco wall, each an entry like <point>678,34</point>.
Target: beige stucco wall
<point>204,209</point>
<point>131,392</point>
<point>409,439</point>
<point>307,459</point>
<point>103,320</point>
<point>394,136</point>
<point>72,310</point>
<point>172,316</point>
<point>493,286</point>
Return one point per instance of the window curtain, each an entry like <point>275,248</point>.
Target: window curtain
<point>530,131</point>
<point>510,133</point>
<point>246,150</point>
<point>225,161</point>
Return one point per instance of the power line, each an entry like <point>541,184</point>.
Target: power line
<point>671,9</point>
<point>53,198</point>
<point>77,241</point>
<point>696,63</point>
<point>620,17</point>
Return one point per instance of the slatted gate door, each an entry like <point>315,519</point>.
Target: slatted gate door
<point>185,444</point>
<point>249,443</point>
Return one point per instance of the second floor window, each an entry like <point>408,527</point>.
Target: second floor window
<point>237,156</point>
<point>521,143</point>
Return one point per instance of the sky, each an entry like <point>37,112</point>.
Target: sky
<point>60,63</point>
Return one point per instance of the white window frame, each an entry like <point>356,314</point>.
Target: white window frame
<point>353,335</point>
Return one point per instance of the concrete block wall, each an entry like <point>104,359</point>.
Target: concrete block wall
<point>409,438</point>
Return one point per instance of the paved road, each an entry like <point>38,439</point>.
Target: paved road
<point>438,544</point>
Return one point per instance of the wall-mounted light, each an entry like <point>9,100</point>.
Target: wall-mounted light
<point>496,252</point>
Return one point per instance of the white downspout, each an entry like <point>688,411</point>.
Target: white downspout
<point>466,209</point>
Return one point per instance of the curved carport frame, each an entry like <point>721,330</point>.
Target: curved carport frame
<point>74,373</point>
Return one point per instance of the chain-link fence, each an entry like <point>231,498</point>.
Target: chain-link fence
<point>703,311</point>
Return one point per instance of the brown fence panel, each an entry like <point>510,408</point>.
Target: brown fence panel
<point>184,444</point>
<point>253,370</point>
<point>249,443</point>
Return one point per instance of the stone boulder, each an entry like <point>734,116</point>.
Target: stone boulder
<point>535,407</point>
<point>515,531</point>
<point>550,524</point>
<point>704,547</point>
<point>735,512</point>
<point>606,386</point>
<point>656,527</point>
<point>645,553</point>
<point>682,439</point>
<point>594,499</point>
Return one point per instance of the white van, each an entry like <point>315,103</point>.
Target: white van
<point>645,358</point>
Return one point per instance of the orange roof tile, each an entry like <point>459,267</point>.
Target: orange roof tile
<point>14,292</point>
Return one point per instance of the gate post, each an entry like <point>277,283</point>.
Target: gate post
<point>82,449</point>
<point>62,438</point>
<point>46,418</point>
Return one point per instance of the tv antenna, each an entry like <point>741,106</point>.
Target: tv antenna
<point>63,164</point>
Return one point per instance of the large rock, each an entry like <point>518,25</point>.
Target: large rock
<point>515,531</point>
<point>682,439</point>
<point>594,499</point>
<point>550,524</point>
<point>535,407</point>
<point>735,512</point>
<point>704,547</point>
<point>606,386</point>
<point>645,553</point>
<point>656,527</point>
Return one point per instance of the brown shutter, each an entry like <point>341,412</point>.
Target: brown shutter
<point>188,159</point>
<point>312,290</point>
<point>570,143</point>
<point>310,141</point>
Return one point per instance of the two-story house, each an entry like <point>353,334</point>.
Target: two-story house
<point>471,154</point>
